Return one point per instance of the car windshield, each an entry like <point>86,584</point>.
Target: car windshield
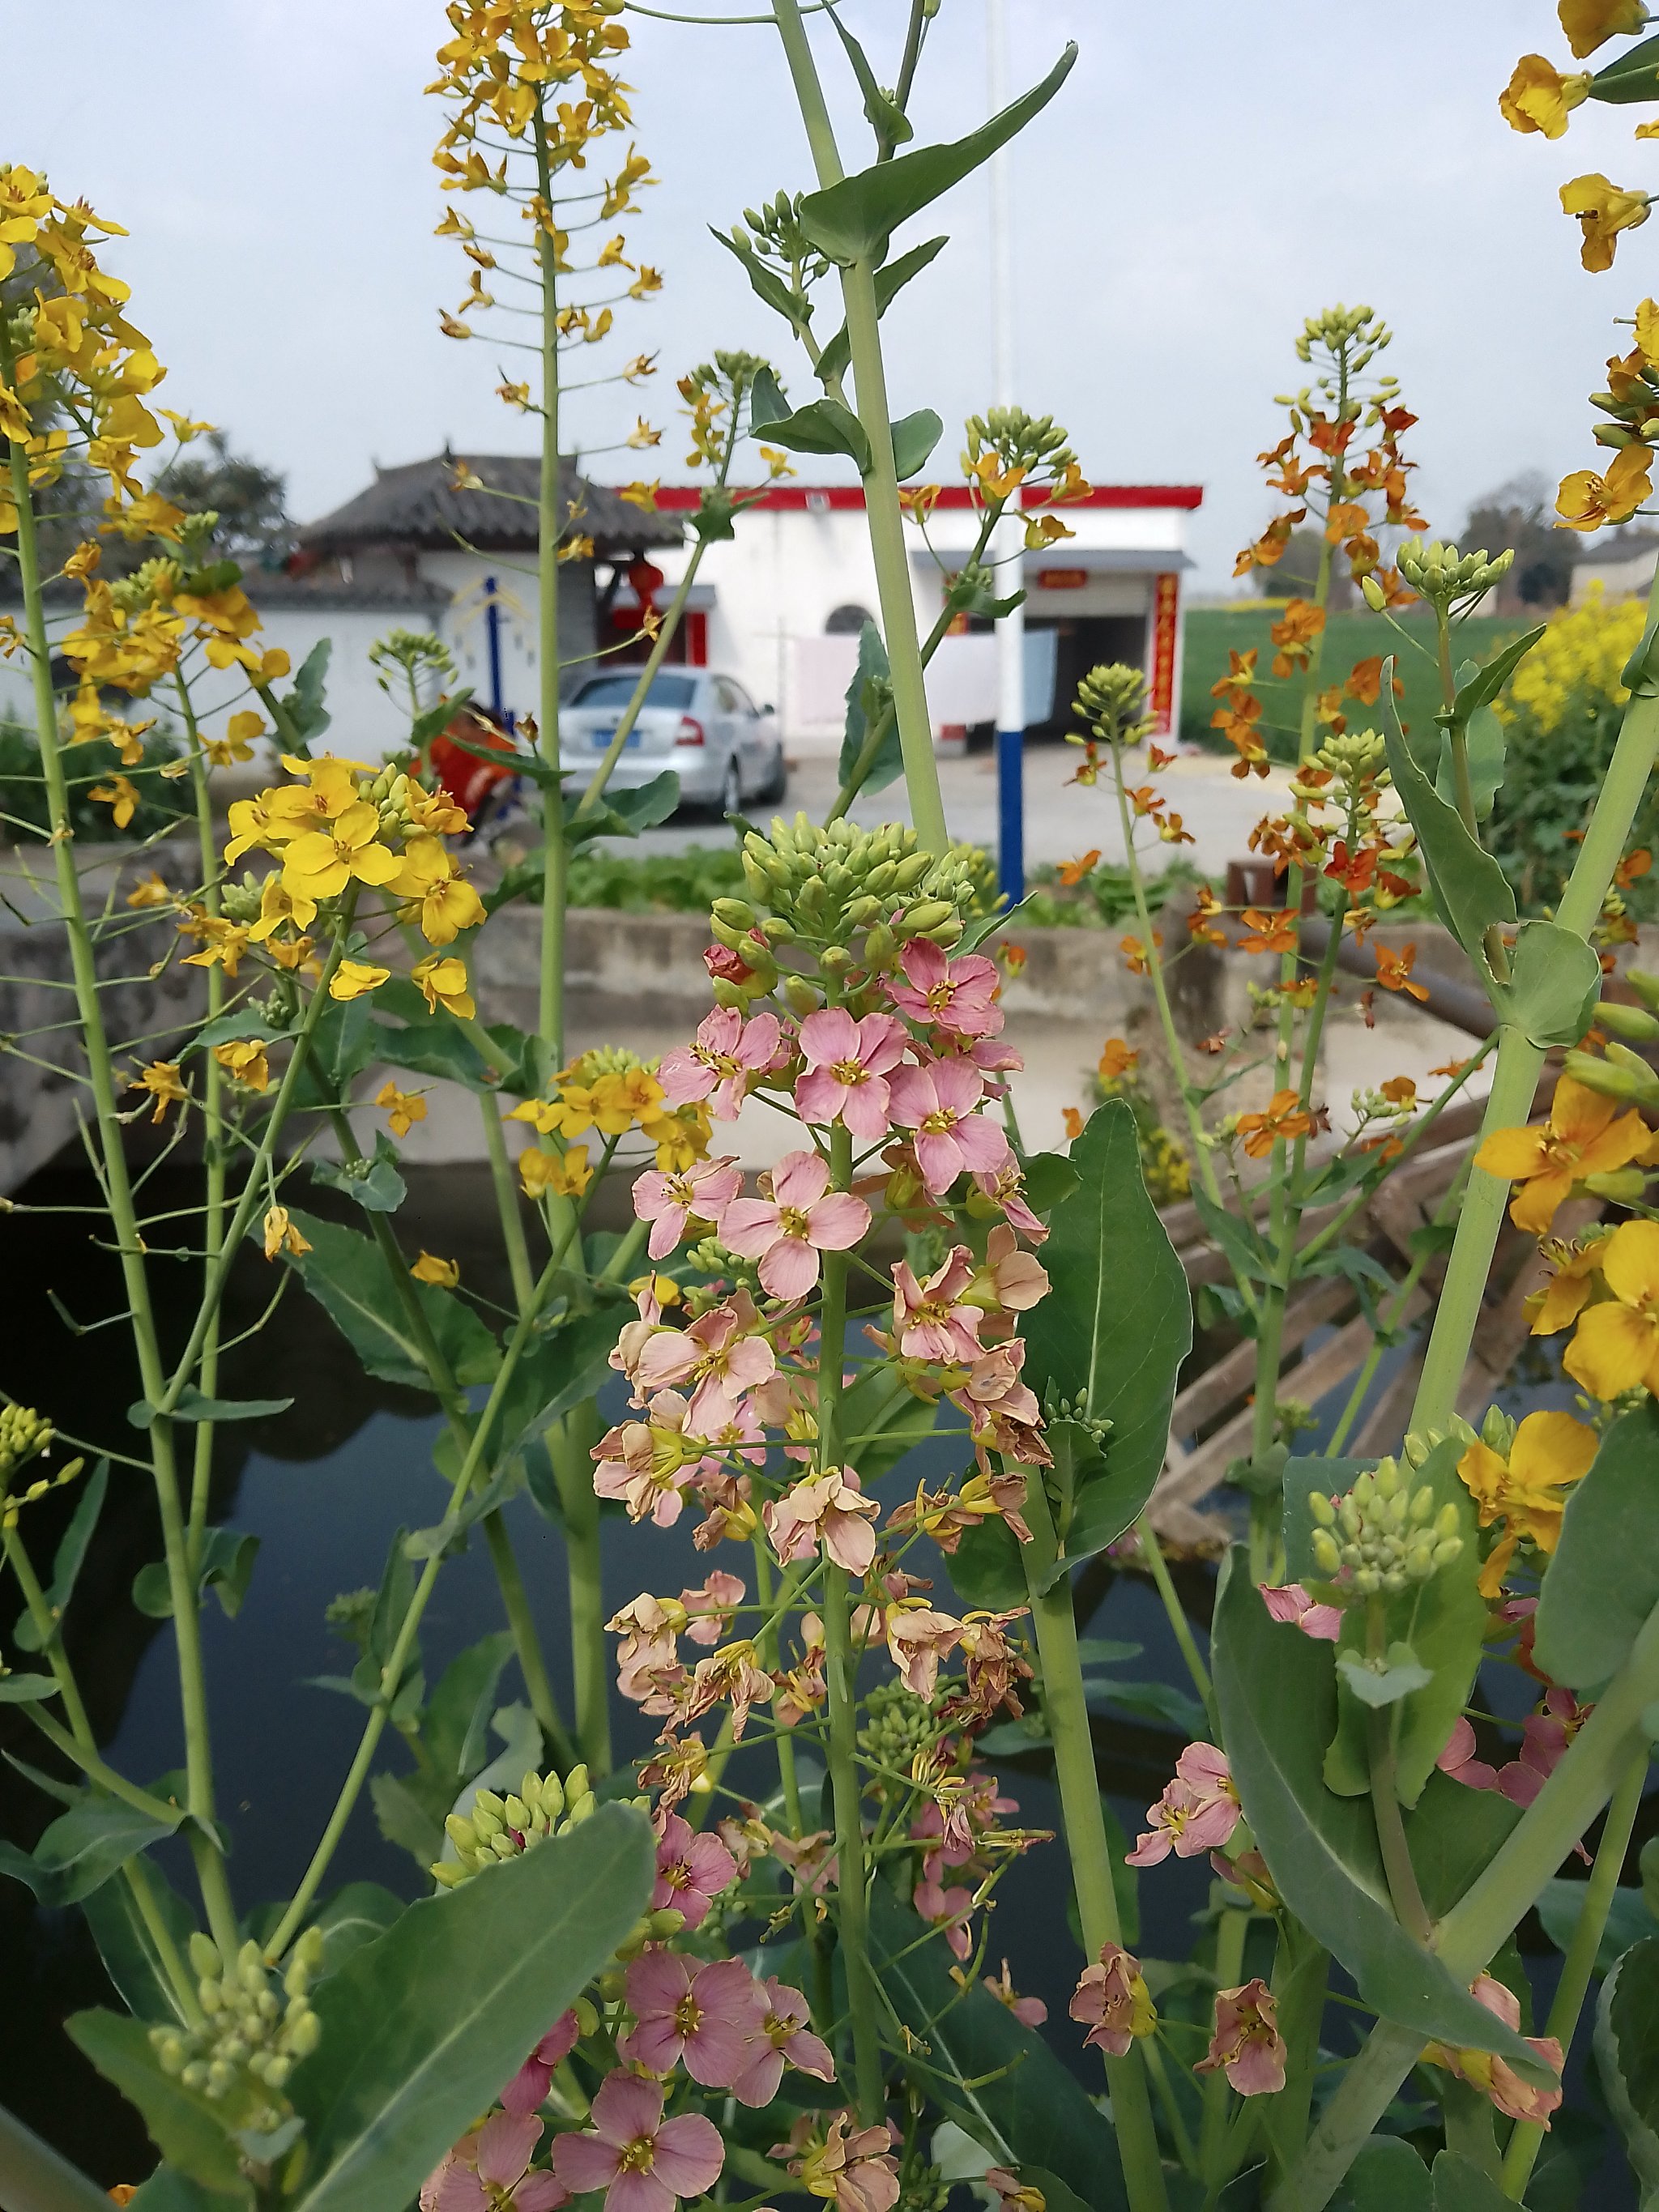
<point>617,691</point>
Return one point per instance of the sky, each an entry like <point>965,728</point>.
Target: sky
<point>1209,174</point>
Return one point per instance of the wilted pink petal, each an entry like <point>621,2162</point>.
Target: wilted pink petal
<point>1290,1602</point>
<point>1247,2044</point>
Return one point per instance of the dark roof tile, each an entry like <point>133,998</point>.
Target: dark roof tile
<point>415,506</point>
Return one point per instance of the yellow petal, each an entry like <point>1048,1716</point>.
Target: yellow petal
<point>1613,1350</point>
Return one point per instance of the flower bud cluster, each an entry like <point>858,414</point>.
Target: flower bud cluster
<point>1111,699</point>
<point>500,1828</point>
<point>23,1433</point>
<point>1354,757</point>
<point>1020,440</point>
<point>1441,576</point>
<point>1334,328</point>
<point>1632,402</point>
<point>250,2029</point>
<point>825,885</point>
<point>773,232</point>
<point>897,1725</point>
<point>1386,1534</point>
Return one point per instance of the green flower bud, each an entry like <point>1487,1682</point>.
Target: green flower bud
<point>1635,1025</point>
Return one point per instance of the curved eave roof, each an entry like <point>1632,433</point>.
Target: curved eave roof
<point>416,507</point>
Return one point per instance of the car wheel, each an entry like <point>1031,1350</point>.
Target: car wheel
<point>777,782</point>
<point>730,800</point>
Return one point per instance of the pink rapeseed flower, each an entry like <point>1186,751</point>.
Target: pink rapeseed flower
<point>948,1911</point>
<point>847,1064</point>
<point>1111,1994</point>
<point>1495,2076</point>
<point>711,1605</point>
<point>1029,2012</point>
<point>704,2016</point>
<point>785,1232</point>
<point>932,1319</point>
<point>850,2167</point>
<point>1247,2044</point>
<point>725,1345</point>
<point>938,1102</point>
<point>786,2034</point>
<point>917,1639</point>
<point>669,1201</point>
<point>827,1508</point>
<point>1290,1602</point>
<point>958,995</point>
<point>640,2160</point>
<point>528,2088</point>
<point>692,1870</point>
<point>719,1060</point>
<point>488,2171</point>
<point>1006,1188</point>
<point>1197,1813</point>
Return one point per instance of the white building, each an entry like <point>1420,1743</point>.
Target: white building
<point>780,605</point>
<point>1619,570</point>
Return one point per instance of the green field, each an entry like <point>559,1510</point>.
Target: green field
<point>1212,632</point>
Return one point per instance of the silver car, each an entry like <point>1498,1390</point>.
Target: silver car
<point>724,748</point>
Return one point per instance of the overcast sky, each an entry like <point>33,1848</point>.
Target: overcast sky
<point>1210,172</point>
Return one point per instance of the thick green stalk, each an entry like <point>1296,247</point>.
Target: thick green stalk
<point>840,1680</point>
<point>213,1165</point>
<point>570,1445</point>
<point>881,500</point>
<point>101,1071</point>
<point>1301,1969</point>
<point>1065,1710</point>
<point>34,2178</point>
<point>1578,1967</point>
<point>550,528</point>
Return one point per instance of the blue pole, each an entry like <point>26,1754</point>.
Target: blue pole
<point>1010,814</point>
<point>492,641</point>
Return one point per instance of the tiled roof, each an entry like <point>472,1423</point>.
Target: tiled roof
<point>417,506</point>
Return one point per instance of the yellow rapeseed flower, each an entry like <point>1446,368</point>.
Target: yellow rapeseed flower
<point>1602,209</point>
<point>352,978</point>
<point>442,982</point>
<point>149,891</point>
<point>442,1274</point>
<point>448,908</point>
<point>320,863</point>
<point>1574,1267</point>
<point>1587,499</point>
<point>160,1080</point>
<point>1585,1135</point>
<point>1550,1453</point>
<point>1616,1347</point>
<point>1538,98</point>
<point>281,1234</point>
<point>245,1060</point>
<point>406,1108</point>
<point>120,795</point>
<point>1590,24</point>
<point>1581,656</point>
<point>563,1175</point>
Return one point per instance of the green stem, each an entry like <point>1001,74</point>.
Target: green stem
<point>660,645</point>
<point>789,1781</point>
<point>883,513</point>
<point>1301,1970</point>
<point>1230,1931</point>
<point>1065,1710</point>
<point>201,1485</point>
<point>1578,1967</point>
<point>570,1445</point>
<point>550,528</point>
<point>192,1686</point>
<point>507,1200</point>
<point>526,1642</point>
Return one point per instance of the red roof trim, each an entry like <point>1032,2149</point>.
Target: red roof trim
<point>675,499</point>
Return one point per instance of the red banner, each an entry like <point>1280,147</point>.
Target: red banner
<point>1166,616</point>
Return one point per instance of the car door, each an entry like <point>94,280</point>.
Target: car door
<point>723,692</point>
<point>746,725</point>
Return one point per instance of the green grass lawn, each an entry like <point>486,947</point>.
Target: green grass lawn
<point>1212,632</point>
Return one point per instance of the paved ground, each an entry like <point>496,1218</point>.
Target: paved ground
<point>1062,820</point>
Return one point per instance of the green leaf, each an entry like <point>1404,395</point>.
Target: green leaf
<point>1388,1684</point>
<point>403,1821</point>
<point>1118,1321</point>
<point>83,1847</point>
<point>554,1373</point>
<point>37,2179</point>
<point>27,1689</point>
<point>433,720</point>
<point>986,1568</point>
<point>455,1725</point>
<point>824,426</point>
<point>1603,1581</point>
<point>767,285</point>
<point>421,2028</point>
<point>193,1407</point>
<point>1555,980</point>
<point>1246,1254</point>
<point>1634,75</point>
<point>304,700</point>
<point>1050,1180</point>
<point>127,1948</point>
<point>890,279</point>
<point>1158,1701</point>
<point>1277,1690</point>
<point>1027,2105</point>
<point>344,1272</point>
<point>1443,1621</point>
<point>353,1916</point>
<point>185,2125</point>
<point>646,805</point>
<point>226,1566</point>
<point>428,1040</point>
<point>852,220</point>
<point>66,1562</point>
<point>1387,2176</point>
<point>1454,1834</point>
<point>915,437</point>
<point>1477,687</point>
<point>1627,2056</point>
<point>374,1182</point>
<point>169,2190</point>
<point>1470,888</point>
<point>1485,746</point>
<point>1561,1906</point>
<point>869,695</point>
<point>892,125</point>
<point>1461,2186</point>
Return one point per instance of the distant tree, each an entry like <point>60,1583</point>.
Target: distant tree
<point>1520,514</point>
<point>1296,574</point>
<point>250,500</point>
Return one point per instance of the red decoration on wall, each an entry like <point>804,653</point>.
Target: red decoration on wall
<point>1166,617</point>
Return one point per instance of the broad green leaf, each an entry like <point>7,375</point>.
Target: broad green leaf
<point>34,2178</point>
<point>1555,980</point>
<point>890,279</point>
<point>1454,1834</point>
<point>432,720</point>
<point>421,2028</point>
<point>403,1821</point>
<point>767,284</point>
<point>882,1420</point>
<point>1027,2105</point>
<point>428,1041</point>
<point>915,437</point>
<point>1634,75</point>
<point>1387,2176</point>
<point>227,1567</point>
<point>374,1182</point>
<point>185,2125</point>
<point>1627,2056</point>
<point>1603,1581</point>
<point>1161,1702</point>
<point>27,1689</point>
<point>127,1948</point>
<point>1118,1323</point>
<point>344,1272</point>
<point>304,699</point>
<point>868,695</point>
<point>67,1561</point>
<point>83,1847</point>
<point>443,1538</point>
<point>986,1568</point>
<point>556,1373</point>
<point>353,1916</point>
<point>192,1405</point>
<point>854,220</point>
<point>892,125</point>
<point>1443,1622</point>
<point>1561,1906</point>
<point>1050,1180</point>
<point>822,427</point>
<point>1470,888</point>
<point>1277,1690</point>
<point>647,803</point>
<point>1461,2186</point>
